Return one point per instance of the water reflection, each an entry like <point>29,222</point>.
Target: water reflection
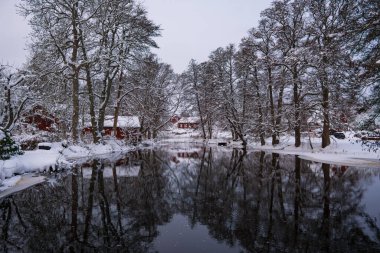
<point>238,202</point>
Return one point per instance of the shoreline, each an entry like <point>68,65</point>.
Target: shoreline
<point>341,152</point>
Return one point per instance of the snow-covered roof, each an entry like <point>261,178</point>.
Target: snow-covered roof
<point>189,120</point>
<point>123,121</point>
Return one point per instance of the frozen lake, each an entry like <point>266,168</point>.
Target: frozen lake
<point>182,198</point>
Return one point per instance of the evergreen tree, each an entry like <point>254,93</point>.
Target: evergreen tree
<point>8,147</point>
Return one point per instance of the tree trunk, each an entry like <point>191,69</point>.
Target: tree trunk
<point>103,102</point>
<point>279,109</point>
<point>75,101</point>
<point>261,131</point>
<point>271,104</point>
<point>117,105</point>
<point>75,69</point>
<point>195,76</point>
<point>201,117</point>
<point>109,75</point>
<point>326,118</point>
<point>244,109</point>
<point>297,113</point>
<point>209,126</point>
<point>91,98</point>
<point>9,107</point>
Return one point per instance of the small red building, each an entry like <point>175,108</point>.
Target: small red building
<point>188,122</point>
<point>39,117</point>
<point>128,127</point>
<point>175,118</point>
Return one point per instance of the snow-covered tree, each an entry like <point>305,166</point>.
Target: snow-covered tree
<point>13,97</point>
<point>153,94</point>
<point>90,44</point>
<point>290,32</point>
<point>8,147</point>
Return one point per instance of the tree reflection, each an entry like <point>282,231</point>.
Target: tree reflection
<point>264,203</point>
<point>257,202</point>
<point>109,213</point>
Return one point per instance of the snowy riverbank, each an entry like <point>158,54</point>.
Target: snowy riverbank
<point>349,152</point>
<point>57,157</point>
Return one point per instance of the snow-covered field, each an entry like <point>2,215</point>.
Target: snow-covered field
<point>349,152</point>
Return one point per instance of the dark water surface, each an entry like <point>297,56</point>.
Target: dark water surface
<point>195,199</point>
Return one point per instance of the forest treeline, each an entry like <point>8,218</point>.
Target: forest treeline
<point>306,63</point>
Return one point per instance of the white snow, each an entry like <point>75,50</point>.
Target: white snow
<point>349,152</point>
<point>9,182</point>
<point>57,157</point>
<point>92,150</point>
<point>189,120</point>
<point>123,121</point>
<point>37,160</point>
<point>378,62</point>
<point>45,144</point>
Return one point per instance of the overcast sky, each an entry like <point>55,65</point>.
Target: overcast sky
<point>190,28</point>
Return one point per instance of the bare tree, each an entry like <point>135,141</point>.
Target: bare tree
<point>289,18</point>
<point>13,97</point>
<point>154,97</point>
<point>93,43</point>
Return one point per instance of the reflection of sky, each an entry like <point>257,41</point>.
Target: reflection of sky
<point>371,198</point>
<point>178,236</point>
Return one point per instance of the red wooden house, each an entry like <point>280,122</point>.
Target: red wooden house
<point>188,122</point>
<point>128,127</point>
<point>175,118</point>
<point>39,117</point>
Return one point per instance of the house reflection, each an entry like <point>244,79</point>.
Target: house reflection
<point>125,167</point>
<point>186,153</point>
<point>339,170</point>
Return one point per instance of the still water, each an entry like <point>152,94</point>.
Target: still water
<point>196,199</point>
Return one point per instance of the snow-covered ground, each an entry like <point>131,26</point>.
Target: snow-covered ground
<point>349,151</point>
<point>32,161</point>
<point>57,157</point>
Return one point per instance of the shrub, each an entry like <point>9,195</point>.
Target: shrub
<point>8,147</point>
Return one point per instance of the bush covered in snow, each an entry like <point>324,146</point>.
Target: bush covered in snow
<point>8,146</point>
